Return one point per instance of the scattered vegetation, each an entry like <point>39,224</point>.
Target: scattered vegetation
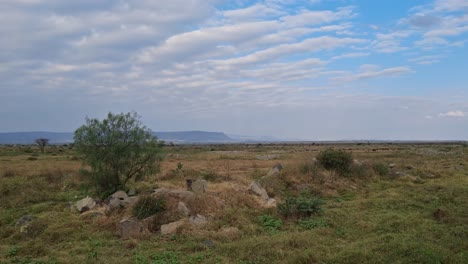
<point>299,207</point>
<point>147,206</point>
<point>269,223</point>
<point>420,221</point>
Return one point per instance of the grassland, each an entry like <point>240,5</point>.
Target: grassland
<point>416,212</point>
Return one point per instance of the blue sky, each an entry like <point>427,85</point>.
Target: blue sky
<point>310,69</point>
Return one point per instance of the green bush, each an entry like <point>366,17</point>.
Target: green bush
<point>147,206</point>
<point>116,150</point>
<point>381,169</point>
<point>300,206</point>
<point>312,223</point>
<point>337,160</point>
<point>270,223</point>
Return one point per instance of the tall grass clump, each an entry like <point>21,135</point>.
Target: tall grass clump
<point>147,206</point>
<point>299,207</point>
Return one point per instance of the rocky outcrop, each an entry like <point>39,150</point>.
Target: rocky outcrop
<point>129,228</point>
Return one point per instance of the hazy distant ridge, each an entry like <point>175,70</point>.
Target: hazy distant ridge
<point>67,137</point>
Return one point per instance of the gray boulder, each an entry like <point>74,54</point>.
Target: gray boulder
<point>274,172</point>
<point>129,228</point>
<point>85,204</point>
<point>171,228</point>
<point>120,199</point>
<point>183,209</point>
<point>198,220</point>
<point>257,189</point>
<point>199,186</point>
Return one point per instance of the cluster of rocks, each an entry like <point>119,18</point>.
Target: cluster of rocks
<point>257,189</point>
<point>132,227</point>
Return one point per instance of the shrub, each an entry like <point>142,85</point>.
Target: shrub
<point>381,169</point>
<point>116,150</point>
<point>9,173</point>
<point>337,160</point>
<point>269,223</point>
<point>300,206</point>
<point>32,158</point>
<point>312,223</point>
<point>147,206</point>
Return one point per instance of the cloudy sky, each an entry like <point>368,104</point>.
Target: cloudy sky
<point>310,69</point>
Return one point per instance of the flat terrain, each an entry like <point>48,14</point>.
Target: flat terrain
<point>401,203</point>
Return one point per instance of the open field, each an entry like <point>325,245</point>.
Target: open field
<point>414,212</point>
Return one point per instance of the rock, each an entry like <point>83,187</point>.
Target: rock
<point>198,220</point>
<point>24,220</point>
<point>278,166</point>
<point>270,203</point>
<point>93,214</point>
<point>274,172</point>
<point>209,243</point>
<point>85,204</point>
<point>121,195</point>
<point>120,199</point>
<point>391,165</point>
<point>257,189</point>
<point>418,180</point>
<point>131,229</point>
<point>199,186</point>
<point>357,162</point>
<point>267,157</point>
<point>183,209</point>
<point>428,176</point>
<point>132,192</point>
<point>171,228</point>
<point>410,167</point>
<point>400,174</point>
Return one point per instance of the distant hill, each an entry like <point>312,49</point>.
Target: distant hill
<point>25,138</point>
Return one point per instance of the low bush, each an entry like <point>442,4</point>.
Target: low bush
<point>269,223</point>
<point>147,206</point>
<point>381,169</point>
<point>337,160</point>
<point>300,206</point>
<point>9,173</point>
<point>312,223</point>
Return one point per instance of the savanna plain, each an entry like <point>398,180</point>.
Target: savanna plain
<point>397,203</point>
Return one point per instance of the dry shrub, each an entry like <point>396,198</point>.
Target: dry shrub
<point>9,173</point>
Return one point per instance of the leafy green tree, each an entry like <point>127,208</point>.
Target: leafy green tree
<point>117,149</point>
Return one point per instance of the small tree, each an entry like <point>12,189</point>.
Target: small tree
<point>117,149</point>
<point>42,143</point>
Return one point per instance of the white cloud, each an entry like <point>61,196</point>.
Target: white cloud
<point>453,114</point>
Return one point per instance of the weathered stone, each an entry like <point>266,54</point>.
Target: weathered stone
<point>199,186</point>
<point>25,219</point>
<point>132,192</point>
<point>357,162</point>
<point>274,172</point>
<point>278,166</point>
<point>120,199</point>
<point>183,209</point>
<point>85,204</point>
<point>391,165</point>
<point>270,203</point>
<point>257,189</point>
<point>121,195</point>
<point>129,228</point>
<point>93,214</point>
<point>171,228</point>
<point>428,176</point>
<point>209,243</point>
<point>198,220</point>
